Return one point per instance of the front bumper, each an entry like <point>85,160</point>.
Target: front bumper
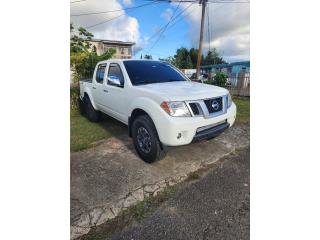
<point>211,132</point>
<point>175,131</point>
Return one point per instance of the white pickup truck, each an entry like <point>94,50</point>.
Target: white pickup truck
<point>160,105</point>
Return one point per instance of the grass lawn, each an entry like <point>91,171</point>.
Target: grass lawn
<point>83,133</point>
<point>243,109</point>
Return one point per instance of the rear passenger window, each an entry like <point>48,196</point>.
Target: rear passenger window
<point>100,73</point>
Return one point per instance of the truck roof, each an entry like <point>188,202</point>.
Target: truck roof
<point>122,60</point>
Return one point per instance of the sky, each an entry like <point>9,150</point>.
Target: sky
<point>227,25</point>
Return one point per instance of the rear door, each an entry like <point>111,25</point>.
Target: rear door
<point>98,86</point>
<point>114,97</point>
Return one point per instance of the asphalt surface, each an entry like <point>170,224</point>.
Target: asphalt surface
<point>110,177</point>
<point>217,206</point>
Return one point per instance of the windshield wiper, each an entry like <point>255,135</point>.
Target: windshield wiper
<point>174,80</point>
<point>146,82</point>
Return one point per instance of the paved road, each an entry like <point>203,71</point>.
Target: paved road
<point>215,207</point>
<point>111,177</point>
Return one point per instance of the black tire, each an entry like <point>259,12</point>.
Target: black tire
<point>92,114</point>
<point>152,150</point>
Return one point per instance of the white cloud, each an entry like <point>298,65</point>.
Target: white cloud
<point>127,2</point>
<point>167,14</point>
<point>229,28</point>
<point>123,28</point>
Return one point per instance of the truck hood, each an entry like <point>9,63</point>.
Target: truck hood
<point>183,91</point>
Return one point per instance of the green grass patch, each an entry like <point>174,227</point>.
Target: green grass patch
<point>84,134</point>
<point>132,215</point>
<point>243,109</point>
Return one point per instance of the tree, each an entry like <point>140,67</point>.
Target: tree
<point>183,59</point>
<point>83,56</point>
<point>147,56</point>
<point>169,59</point>
<point>213,57</point>
<point>194,57</point>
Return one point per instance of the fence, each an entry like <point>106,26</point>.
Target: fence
<point>239,84</point>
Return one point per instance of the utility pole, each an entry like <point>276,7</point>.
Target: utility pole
<point>203,2</point>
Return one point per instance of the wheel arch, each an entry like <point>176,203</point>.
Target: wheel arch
<point>88,94</point>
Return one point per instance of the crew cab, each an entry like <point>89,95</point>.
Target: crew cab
<point>160,105</point>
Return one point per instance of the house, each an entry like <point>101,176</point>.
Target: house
<point>124,50</point>
<point>238,72</point>
<point>228,68</point>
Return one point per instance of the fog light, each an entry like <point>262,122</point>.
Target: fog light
<point>179,136</point>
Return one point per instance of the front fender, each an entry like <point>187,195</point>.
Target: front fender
<point>155,112</point>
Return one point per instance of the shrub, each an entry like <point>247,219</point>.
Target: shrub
<point>74,94</point>
<point>220,79</point>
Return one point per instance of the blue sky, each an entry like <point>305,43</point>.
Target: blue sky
<point>150,19</point>
<point>228,24</point>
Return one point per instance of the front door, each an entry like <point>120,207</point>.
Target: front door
<point>114,96</point>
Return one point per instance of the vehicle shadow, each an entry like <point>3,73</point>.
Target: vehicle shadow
<point>113,126</point>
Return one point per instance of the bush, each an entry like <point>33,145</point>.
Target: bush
<point>74,95</point>
<point>220,79</point>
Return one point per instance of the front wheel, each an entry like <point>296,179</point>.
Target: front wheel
<point>145,139</point>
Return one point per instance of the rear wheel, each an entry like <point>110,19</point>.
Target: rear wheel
<point>145,139</point>
<point>92,114</point>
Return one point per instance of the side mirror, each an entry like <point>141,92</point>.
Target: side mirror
<point>114,80</point>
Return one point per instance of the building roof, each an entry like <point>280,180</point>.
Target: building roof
<point>243,63</point>
<point>113,42</point>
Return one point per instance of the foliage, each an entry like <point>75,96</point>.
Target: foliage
<point>147,56</point>
<point>83,56</point>
<point>220,79</point>
<point>74,95</point>
<point>213,58</point>
<point>193,52</point>
<point>170,60</point>
<point>182,58</point>
<point>187,58</point>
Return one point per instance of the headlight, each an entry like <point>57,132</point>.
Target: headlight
<point>229,100</point>
<point>176,109</point>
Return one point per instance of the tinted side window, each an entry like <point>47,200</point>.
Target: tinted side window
<point>100,73</point>
<point>115,73</point>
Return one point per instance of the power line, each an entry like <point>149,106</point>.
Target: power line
<point>166,26</point>
<point>174,23</point>
<point>110,19</point>
<point>92,13</point>
<point>105,21</point>
<point>229,1</point>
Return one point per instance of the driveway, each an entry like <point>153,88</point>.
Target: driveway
<point>111,177</point>
<point>215,207</point>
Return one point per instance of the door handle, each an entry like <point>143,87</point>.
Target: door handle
<point>93,87</point>
<point>105,90</point>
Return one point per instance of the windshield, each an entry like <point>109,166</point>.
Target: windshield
<point>146,72</point>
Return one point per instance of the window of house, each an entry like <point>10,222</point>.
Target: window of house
<point>115,73</point>
<point>100,73</point>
